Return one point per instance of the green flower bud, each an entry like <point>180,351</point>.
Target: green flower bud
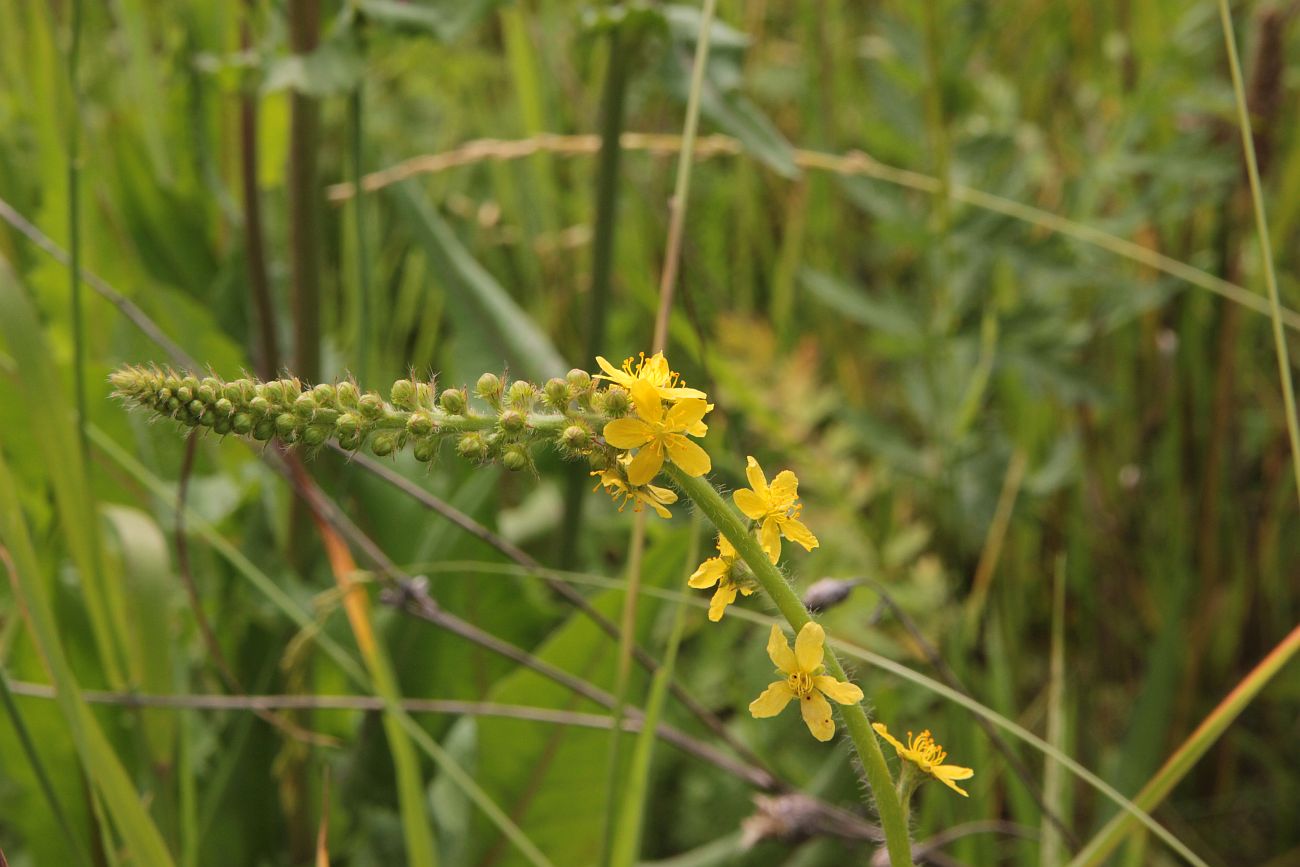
<point>163,395</point>
<point>579,380</point>
<point>598,459</point>
<point>324,394</point>
<point>292,388</point>
<point>557,393</point>
<point>383,444</point>
<point>423,394</point>
<point>522,395</point>
<point>489,388</point>
<point>350,441</point>
<point>420,423</point>
<point>512,421</point>
<point>232,392</point>
<point>224,407</point>
<point>273,392</point>
<point>285,424</point>
<point>313,436</point>
<point>207,393</point>
<point>264,430</point>
<point>184,394</point>
<point>371,406</point>
<point>221,426</point>
<point>425,450</point>
<point>207,418</point>
<point>260,405</point>
<point>347,424</point>
<point>403,394</point>
<point>515,458</point>
<point>173,405</point>
<point>348,395</point>
<point>196,409</point>
<point>242,423</point>
<point>617,402</point>
<point>305,406</point>
<point>576,438</point>
<point>474,447</point>
<point>454,401</point>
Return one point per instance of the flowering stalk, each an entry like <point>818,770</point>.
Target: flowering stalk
<point>893,821</point>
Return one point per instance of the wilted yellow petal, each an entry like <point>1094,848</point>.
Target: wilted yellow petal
<point>778,650</point>
<point>883,731</point>
<point>772,701</point>
<point>838,690</point>
<point>724,596</point>
<point>627,433</point>
<point>808,647</point>
<point>817,714</point>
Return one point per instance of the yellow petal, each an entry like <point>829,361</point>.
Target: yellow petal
<point>883,731</point>
<point>627,433</point>
<point>817,714</point>
<point>778,650</point>
<point>838,690</point>
<point>953,772</point>
<point>724,596</point>
<point>682,393</point>
<point>707,574</point>
<point>808,649</point>
<point>725,548</point>
<point>643,497</point>
<point>693,460</point>
<point>757,480</point>
<point>769,537</point>
<point>613,373</point>
<point>685,414</point>
<point>772,701</point>
<point>785,488</point>
<point>645,466</point>
<point>749,503</point>
<point>655,369</point>
<point>663,495</point>
<point>796,531</point>
<point>645,397</point>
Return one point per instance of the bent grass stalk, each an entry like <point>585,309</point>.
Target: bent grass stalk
<point>893,820</point>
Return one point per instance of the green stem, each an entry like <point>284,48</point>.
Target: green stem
<point>74,225</point>
<point>893,820</point>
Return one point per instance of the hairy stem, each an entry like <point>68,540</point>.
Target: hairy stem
<point>892,818</point>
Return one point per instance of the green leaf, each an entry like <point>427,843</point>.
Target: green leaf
<point>446,20</point>
<point>885,316</point>
<point>526,348</point>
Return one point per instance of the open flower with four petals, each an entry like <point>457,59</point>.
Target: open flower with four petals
<point>803,680</point>
<point>657,434</point>
<point>927,756</point>
<point>722,570</point>
<point>775,509</point>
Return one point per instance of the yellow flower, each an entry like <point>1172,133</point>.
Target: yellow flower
<point>775,509</point>
<point>653,496</point>
<point>720,570</point>
<point>653,370</point>
<point>923,752</point>
<point>656,433</point>
<point>802,680</point>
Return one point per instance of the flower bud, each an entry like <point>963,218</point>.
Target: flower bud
<point>196,408</point>
<point>347,395</point>
<point>489,388</point>
<point>324,394</point>
<point>221,426</point>
<point>184,394</point>
<point>206,417</point>
<point>598,459</point>
<point>313,436</point>
<point>474,447</point>
<point>578,379</point>
<point>208,390</point>
<point>285,424</point>
<point>403,394</point>
<point>292,388</point>
<point>617,402</point>
<point>420,423</point>
<point>224,407</point>
<point>371,406</point>
<point>521,395</point>
<point>242,423</point>
<point>264,430</point>
<point>304,406</point>
<point>454,401</point>
<point>576,438</point>
<point>512,421</point>
<point>260,405</point>
<point>423,394</point>
<point>383,444</point>
<point>232,392</point>
<point>272,391</point>
<point>515,458</point>
<point>425,450</point>
<point>350,441</point>
<point>557,393</point>
<point>347,424</point>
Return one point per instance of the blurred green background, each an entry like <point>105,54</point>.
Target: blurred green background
<point>1024,337</point>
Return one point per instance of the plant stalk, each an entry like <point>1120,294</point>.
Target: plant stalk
<point>893,820</point>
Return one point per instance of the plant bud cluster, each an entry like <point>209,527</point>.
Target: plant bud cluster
<point>566,412</point>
